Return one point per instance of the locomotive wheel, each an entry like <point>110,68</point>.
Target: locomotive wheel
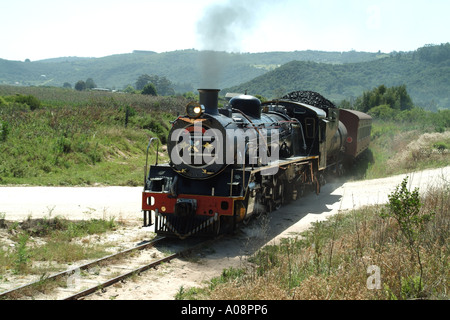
<point>322,180</point>
<point>341,170</point>
<point>278,193</point>
<point>246,220</point>
<point>260,213</point>
<point>316,185</point>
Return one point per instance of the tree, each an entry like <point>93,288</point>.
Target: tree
<point>403,98</point>
<point>394,97</point>
<point>67,85</point>
<point>142,81</point>
<point>162,84</point>
<point>80,85</point>
<point>90,84</point>
<point>149,89</point>
<point>434,54</point>
<point>129,89</point>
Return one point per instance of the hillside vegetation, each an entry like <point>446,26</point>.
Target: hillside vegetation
<point>55,136</point>
<point>404,137</point>
<point>184,68</point>
<point>65,137</point>
<point>425,73</point>
<point>337,75</point>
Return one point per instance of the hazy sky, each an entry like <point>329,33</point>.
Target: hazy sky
<point>94,28</point>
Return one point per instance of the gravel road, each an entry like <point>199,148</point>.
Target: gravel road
<point>340,196</point>
<point>77,203</point>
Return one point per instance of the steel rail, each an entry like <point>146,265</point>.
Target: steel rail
<point>69,272</point>
<point>138,270</point>
<point>120,278</point>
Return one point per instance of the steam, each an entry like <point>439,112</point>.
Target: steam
<point>222,28</point>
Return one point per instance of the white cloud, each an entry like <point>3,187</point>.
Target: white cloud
<point>373,21</point>
<point>51,28</point>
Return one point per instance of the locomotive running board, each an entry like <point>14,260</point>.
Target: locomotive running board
<point>283,162</point>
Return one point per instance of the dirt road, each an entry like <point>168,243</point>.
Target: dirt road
<point>76,203</point>
<point>19,203</point>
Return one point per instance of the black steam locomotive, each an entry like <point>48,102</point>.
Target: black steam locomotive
<point>229,164</point>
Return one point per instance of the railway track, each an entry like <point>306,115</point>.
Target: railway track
<point>88,278</point>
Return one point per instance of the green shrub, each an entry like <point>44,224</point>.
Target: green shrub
<point>149,89</point>
<point>384,112</point>
<point>404,206</point>
<point>3,102</point>
<point>4,130</point>
<point>22,254</point>
<point>33,102</point>
<point>63,145</point>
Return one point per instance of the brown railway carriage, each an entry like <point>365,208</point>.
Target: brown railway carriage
<point>358,126</point>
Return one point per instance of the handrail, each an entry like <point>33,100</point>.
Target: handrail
<point>146,159</point>
<point>243,165</point>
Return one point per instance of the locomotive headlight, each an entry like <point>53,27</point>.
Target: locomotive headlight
<point>194,109</point>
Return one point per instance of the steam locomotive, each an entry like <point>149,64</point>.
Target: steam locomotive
<point>230,164</point>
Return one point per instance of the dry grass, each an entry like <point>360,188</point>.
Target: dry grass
<point>427,148</point>
<point>40,243</point>
<point>332,260</point>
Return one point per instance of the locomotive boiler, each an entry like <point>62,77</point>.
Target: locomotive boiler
<point>230,164</point>
<point>209,139</point>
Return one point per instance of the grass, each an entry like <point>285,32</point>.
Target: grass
<point>401,147</point>
<point>85,141</point>
<point>45,246</point>
<point>344,257</point>
<point>57,244</point>
<point>60,97</point>
<point>55,136</point>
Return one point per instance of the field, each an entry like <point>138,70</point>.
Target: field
<point>404,146</point>
<point>51,136</point>
<point>64,137</point>
<point>60,137</point>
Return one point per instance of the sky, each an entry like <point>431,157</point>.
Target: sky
<point>35,30</point>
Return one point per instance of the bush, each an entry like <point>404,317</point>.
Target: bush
<point>404,206</point>
<point>33,102</point>
<point>149,89</point>
<point>80,85</point>
<point>3,102</point>
<point>157,126</point>
<point>383,112</point>
<point>4,130</point>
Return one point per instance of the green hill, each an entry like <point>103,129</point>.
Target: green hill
<point>336,75</point>
<point>183,68</point>
<point>425,72</point>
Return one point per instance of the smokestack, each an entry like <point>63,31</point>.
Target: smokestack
<point>209,98</point>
